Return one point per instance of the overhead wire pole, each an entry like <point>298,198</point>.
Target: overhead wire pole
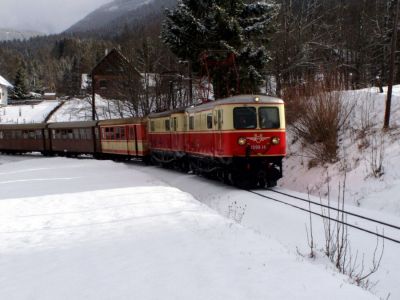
<point>391,66</point>
<point>94,113</point>
<point>93,98</point>
<point>190,82</point>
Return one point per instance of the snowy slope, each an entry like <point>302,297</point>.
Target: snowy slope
<point>358,156</point>
<point>106,14</point>
<point>71,110</point>
<point>86,229</point>
<point>81,110</point>
<point>24,114</point>
<point>112,17</point>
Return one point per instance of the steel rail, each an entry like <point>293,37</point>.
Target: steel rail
<point>337,209</point>
<point>327,217</point>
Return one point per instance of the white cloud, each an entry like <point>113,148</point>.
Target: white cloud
<point>49,16</point>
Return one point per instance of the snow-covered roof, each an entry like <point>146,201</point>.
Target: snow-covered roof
<point>85,82</point>
<point>4,82</point>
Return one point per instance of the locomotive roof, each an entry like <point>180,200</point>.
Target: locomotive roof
<point>79,124</point>
<point>231,100</point>
<point>239,99</point>
<point>120,121</point>
<point>31,126</point>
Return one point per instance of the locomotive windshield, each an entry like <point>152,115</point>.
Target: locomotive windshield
<point>269,117</point>
<point>244,117</point>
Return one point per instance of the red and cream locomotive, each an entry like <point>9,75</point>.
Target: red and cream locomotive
<point>241,139</point>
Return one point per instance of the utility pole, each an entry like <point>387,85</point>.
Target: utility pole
<point>93,97</point>
<point>190,82</point>
<point>190,79</point>
<point>391,66</point>
<point>94,114</point>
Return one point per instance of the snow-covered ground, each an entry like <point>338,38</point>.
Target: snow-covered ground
<point>81,110</point>
<point>289,226</point>
<point>66,214</point>
<point>25,114</point>
<point>86,229</point>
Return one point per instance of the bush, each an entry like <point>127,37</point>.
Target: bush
<point>317,118</point>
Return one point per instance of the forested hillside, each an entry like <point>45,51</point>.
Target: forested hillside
<point>112,17</point>
<point>349,40</point>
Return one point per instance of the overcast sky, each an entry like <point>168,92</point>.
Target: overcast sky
<point>48,16</point>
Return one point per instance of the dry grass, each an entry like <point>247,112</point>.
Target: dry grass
<point>317,115</point>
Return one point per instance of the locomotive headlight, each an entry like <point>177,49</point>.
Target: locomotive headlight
<point>242,141</point>
<point>275,140</point>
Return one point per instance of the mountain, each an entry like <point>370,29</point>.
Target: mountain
<point>112,17</point>
<point>7,34</point>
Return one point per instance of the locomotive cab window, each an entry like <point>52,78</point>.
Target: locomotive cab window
<point>244,117</point>
<point>269,117</point>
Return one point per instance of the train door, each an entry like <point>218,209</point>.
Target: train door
<point>128,139</point>
<point>218,131</point>
<point>133,142</point>
<point>167,128</point>
<point>174,136</point>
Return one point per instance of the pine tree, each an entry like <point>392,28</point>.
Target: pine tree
<point>19,91</point>
<point>227,26</point>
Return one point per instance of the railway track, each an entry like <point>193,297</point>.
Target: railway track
<point>351,219</point>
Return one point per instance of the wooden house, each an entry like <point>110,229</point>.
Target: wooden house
<point>114,76</point>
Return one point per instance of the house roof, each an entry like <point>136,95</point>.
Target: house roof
<point>114,59</point>
<point>5,82</point>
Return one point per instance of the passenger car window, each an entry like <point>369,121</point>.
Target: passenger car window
<point>209,121</point>
<point>167,125</point>
<point>123,135</point>
<point>269,117</point>
<point>191,122</point>
<point>244,117</point>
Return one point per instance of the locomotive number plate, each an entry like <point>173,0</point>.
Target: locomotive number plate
<point>258,147</point>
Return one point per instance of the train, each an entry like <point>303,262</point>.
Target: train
<point>240,140</point>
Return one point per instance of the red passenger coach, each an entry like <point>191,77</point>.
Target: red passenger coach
<point>124,138</point>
